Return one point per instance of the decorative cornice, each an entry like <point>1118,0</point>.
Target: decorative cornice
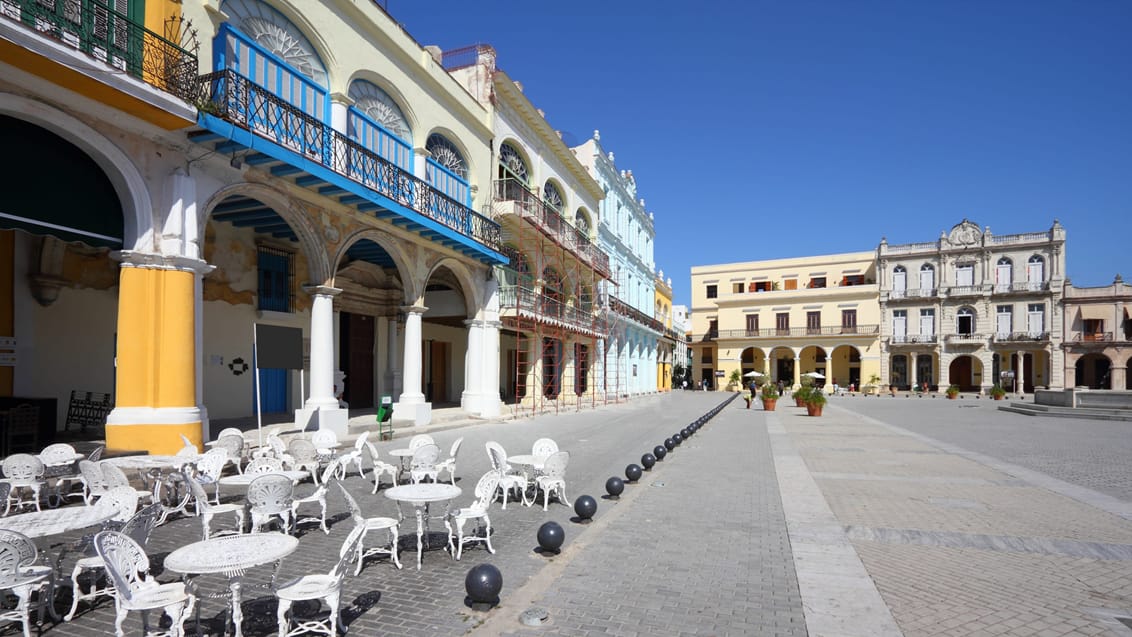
<point>152,261</point>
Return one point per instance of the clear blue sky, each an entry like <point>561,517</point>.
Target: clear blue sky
<point>761,130</point>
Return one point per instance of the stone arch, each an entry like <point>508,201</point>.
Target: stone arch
<point>138,227</point>
<point>320,269</point>
<point>963,371</point>
<point>553,184</point>
<point>470,290</point>
<point>1093,370</point>
<point>412,288</point>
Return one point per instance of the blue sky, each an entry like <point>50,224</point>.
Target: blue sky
<point>761,130</point>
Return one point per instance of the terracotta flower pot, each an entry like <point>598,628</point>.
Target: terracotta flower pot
<point>813,410</point>
<point>799,402</point>
<point>768,404</point>
<point>952,396</point>
<point>999,396</point>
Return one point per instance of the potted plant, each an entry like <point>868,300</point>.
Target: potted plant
<point>997,392</point>
<point>769,396</point>
<point>953,391</point>
<point>814,402</point>
<point>873,387</point>
<point>735,380</point>
<point>801,394</point>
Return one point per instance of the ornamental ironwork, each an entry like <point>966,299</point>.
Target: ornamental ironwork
<point>274,32</point>
<point>552,197</point>
<point>380,107</point>
<point>512,164</point>
<point>445,153</point>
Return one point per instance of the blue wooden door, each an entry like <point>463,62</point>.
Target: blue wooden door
<point>274,396</point>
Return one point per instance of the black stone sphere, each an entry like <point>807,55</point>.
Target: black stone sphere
<point>551,536</point>
<point>669,444</point>
<point>633,473</point>
<point>483,584</point>
<point>585,506</point>
<point>614,486</point>
<point>660,452</point>
<point>678,438</point>
<point>647,461</point>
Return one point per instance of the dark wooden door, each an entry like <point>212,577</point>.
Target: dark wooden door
<point>961,373</point>
<point>356,358</point>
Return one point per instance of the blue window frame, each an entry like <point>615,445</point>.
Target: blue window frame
<point>276,279</point>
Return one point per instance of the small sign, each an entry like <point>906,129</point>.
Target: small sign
<point>720,373</point>
<point>7,342</point>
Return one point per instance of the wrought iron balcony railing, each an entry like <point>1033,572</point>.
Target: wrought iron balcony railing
<point>235,99</point>
<point>533,305</point>
<point>1092,337</point>
<point>1015,337</point>
<point>966,290</point>
<point>966,338</point>
<point>531,206</point>
<point>793,332</point>
<point>912,339</point>
<point>624,309</point>
<point>111,38</point>
<point>1026,286</point>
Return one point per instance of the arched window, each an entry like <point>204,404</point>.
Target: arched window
<point>274,32</point>
<point>582,222</point>
<point>376,104</point>
<point>518,271</point>
<point>1035,272</point>
<point>446,170</point>
<point>391,137</point>
<point>899,281</point>
<point>511,164</point>
<point>965,321</point>
<point>927,279</point>
<point>1003,274</point>
<point>552,197</point>
<point>445,153</point>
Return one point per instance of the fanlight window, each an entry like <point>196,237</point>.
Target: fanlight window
<point>380,107</point>
<point>274,32</point>
<point>446,154</point>
<point>511,164</point>
<point>582,223</point>
<point>552,196</point>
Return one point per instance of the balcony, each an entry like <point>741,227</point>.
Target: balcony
<point>966,339</point>
<point>966,290</point>
<point>912,294</point>
<point>802,332</point>
<point>517,303</point>
<point>1021,337</point>
<point>1024,287</point>
<point>290,143</point>
<point>112,39</point>
<point>1092,337</point>
<point>520,201</point>
<point>913,339</point>
<point>622,308</point>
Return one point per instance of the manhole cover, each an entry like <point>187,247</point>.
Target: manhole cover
<point>534,616</point>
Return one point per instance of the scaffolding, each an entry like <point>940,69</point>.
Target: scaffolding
<point>553,326</point>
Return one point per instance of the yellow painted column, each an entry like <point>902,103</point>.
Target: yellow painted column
<point>156,358</point>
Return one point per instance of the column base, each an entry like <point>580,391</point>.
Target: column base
<point>417,413</point>
<point>313,419</point>
<point>157,430</point>
<point>480,405</point>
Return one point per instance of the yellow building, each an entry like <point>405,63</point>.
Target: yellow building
<point>666,343</point>
<point>787,317</point>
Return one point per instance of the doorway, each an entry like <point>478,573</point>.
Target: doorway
<point>356,356</point>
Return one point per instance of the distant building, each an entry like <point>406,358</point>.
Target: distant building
<point>681,325</point>
<point>1097,339</point>
<point>666,343</point>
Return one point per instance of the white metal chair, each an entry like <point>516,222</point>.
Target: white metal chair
<point>552,477</point>
<point>380,467</point>
<point>303,456</point>
<point>449,464</point>
<point>234,445</point>
<point>318,495</point>
<point>210,468</point>
<point>477,510</point>
<point>138,527</point>
<point>543,447</point>
<point>115,477</point>
<point>94,482</point>
<point>420,440</point>
<point>327,588</point>
<point>264,465</point>
<point>325,442</point>
<point>22,471</point>
<point>59,465</point>
<point>18,581</point>
<point>423,464</point>
<point>230,431</point>
<point>128,567</point>
<point>270,497</point>
<point>392,525</point>
<point>510,480</point>
<point>354,456</point>
<point>206,510</point>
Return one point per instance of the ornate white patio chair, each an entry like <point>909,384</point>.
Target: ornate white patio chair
<point>29,565</point>
<point>230,431</point>
<point>380,467</point>
<point>264,465</point>
<point>423,464</point>
<point>477,510</point>
<point>449,464</point>
<point>94,482</point>
<point>186,442</point>
<point>206,510</point>
<point>22,472</point>
<point>138,528</point>
<point>552,478</point>
<point>60,465</point>
<point>392,525</point>
<point>115,477</point>
<point>543,447</point>
<point>209,469</point>
<point>270,497</point>
<point>327,588</point>
<point>510,479</point>
<point>128,567</point>
<point>326,444</point>
<point>18,581</point>
<point>318,495</point>
<point>420,440</point>
<point>354,456</point>
<point>304,457</point>
<point>234,445</point>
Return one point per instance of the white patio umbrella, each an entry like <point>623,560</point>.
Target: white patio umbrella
<point>753,374</point>
<point>813,375</point>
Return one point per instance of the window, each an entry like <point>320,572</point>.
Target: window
<point>899,325</point>
<point>713,327</point>
<point>712,292</point>
<point>1035,272</point>
<point>782,323</point>
<point>927,279</point>
<point>1003,274</point>
<point>752,324</point>
<point>762,286</point>
<point>1004,320</point>
<point>705,357</point>
<point>790,284</point>
<point>899,281</point>
<point>848,321</point>
<point>927,322</point>
<point>813,322</point>
<point>1035,319</point>
<point>737,288</point>
<point>853,279</point>
<point>1094,329</point>
<point>965,274</point>
<point>581,368</point>
<point>965,321</point>
<point>817,282</point>
<point>276,279</point>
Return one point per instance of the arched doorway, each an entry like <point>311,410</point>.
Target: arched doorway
<point>445,337</point>
<point>1094,371</point>
<point>781,365</point>
<point>966,372</point>
<point>845,366</point>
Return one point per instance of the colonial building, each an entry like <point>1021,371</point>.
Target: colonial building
<point>1097,337</point>
<point>548,204</point>
<point>784,318</point>
<point>666,343</point>
<point>681,326</point>
<point>302,174</point>
<point>973,309</point>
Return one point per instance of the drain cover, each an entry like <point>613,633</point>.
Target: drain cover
<point>535,616</point>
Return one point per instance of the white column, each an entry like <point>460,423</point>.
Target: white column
<point>913,371</point>
<point>393,360</point>
<point>321,409</point>
<point>411,404</point>
<point>420,163</point>
<point>492,404</point>
<point>339,118</point>
<point>1019,373</point>
<point>473,363</point>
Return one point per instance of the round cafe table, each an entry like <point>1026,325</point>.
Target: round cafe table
<point>403,456</point>
<point>421,496</point>
<point>244,479</point>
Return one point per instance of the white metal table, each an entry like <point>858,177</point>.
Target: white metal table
<point>403,456</point>
<point>421,496</point>
<point>244,479</point>
<point>56,521</point>
<point>62,470</point>
<point>232,556</point>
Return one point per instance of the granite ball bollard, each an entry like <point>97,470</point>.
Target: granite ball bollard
<point>551,536</point>
<point>660,452</point>
<point>483,583</point>
<point>614,486</point>
<point>678,438</point>
<point>647,461</point>
<point>585,506</point>
<point>633,472</point>
<point>669,444</point>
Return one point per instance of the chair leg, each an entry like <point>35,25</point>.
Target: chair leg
<point>23,597</point>
<point>119,620</point>
<point>281,616</point>
<point>332,601</point>
<point>76,593</point>
<point>358,554</point>
<point>394,545</point>
<point>487,533</point>
<point>323,521</point>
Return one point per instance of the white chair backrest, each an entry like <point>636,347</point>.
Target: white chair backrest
<point>349,548</point>
<point>230,431</point>
<point>9,562</point>
<point>455,447</point>
<point>264,465</point>
<point>24,546</point>
<point>277,446</point>
<point>211,464</point>
<point>233,444</point>
<point>92,475</point>
<point>543,447</point>
<point>352,505</point>
<point>420,440</point>
<point>126,562</point>
<point>497,455</point>
<point>124,501</point>
<point>485,489</point>
<point>329,470</point>
<point>198,493</point>
<point>57,454</point>
<point>324,439</point>
<point>22,467</point>
<point>113,475</point>
<point>426,456</point>
<point>142,523</point>
<point>271,493</point>
<point>361,442</point>
<point>302,451</point>
<point>555,465</point>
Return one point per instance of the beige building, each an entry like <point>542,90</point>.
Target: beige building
<point>1097,339</point>
<point>787,317</point>
<point>973,309</point>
